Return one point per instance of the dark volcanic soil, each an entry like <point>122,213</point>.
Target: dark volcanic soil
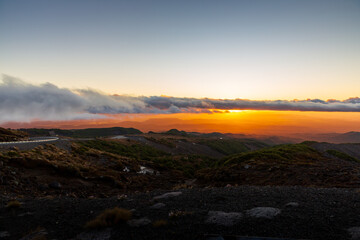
<point>320,214</point>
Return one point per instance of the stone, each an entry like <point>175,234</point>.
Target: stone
<point>227,219</point>
<point>263,212</point>
<point>43,187</point>
<point>167,195</point>
<point>139,222</point>
<point>292,204</point>
<point>146,170</point>
<point>354,233</point>
<point>247,166</point>
<point>4,234</point>
<point>55,185</point>
<point>95,235</point>
<point>25,214</point>
<point>39,234</point>
<point>158,206</point>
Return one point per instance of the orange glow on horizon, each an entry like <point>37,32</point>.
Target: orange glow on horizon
<point>233,121</point>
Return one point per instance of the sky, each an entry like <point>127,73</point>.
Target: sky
<point>93,60</point>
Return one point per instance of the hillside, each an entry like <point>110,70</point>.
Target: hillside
<point>72,183</point>
<point>211,145</point>
<point>82,133</point>
<point>107,167</point>
<point>7,135</point>
<point>350,151</point>
<point>293,164</point>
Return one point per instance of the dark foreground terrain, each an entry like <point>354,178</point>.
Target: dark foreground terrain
<point>216,187</point>
<point>290,212</point>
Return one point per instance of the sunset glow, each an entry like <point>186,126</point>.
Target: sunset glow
<point>246,122</point>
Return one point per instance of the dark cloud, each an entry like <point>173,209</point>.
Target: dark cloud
<point>21,101</point>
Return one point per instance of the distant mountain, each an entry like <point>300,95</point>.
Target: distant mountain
<point>343,150</point>
<point>349,137</point>
<point>270,140</point>
<point>8,135</point>
<point>176,132</point>
<point>82,133</point>
<point>197,134</point>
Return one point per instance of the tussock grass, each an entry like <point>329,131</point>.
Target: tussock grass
<point>109,218</point>
<point>38,234</point>
<point>13,204</point>
<point>160,223</point>
<point>342,155</point>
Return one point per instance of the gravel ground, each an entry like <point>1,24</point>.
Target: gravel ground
<point>314,213</point>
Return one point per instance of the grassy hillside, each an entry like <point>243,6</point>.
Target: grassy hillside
<point>342,155</point>
<point>82,133</point>
<point>115,164</point>
<point>131,149</point>
<point>282,154</point>
<point>292,164</point>
<point>185,164</point>
<point>232,145</point>
<point>8,135</point>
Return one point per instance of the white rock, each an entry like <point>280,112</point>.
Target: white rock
<point>146,170</point>
<point>139,222</point>
<point>263,212</point>
<point>4,234</point>
<point>354,232</point>
<point>95,235</point>
<point>25,214</point>
<point>167,195</point>
<point>292,204</point>
<point>224,218</point>
<point>158,206</point>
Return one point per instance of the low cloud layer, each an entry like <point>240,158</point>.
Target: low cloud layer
<point>24,102</point>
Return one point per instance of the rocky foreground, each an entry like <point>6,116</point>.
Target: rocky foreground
<point>278,212</point>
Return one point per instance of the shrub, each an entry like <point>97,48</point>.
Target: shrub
<point>342,155</point>
<point>109,218</point>
<point>160,223</point>
<point>38,234</point>
<point>13,204</point>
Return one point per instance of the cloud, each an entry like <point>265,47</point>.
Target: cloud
<point>24,102</point>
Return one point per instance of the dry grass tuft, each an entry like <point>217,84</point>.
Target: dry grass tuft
<point>38,234</point>
<point>182,186</point>
<point>177,213</point>
<point>109,218</point>
<point>13,204</point>
<point>160,223</point>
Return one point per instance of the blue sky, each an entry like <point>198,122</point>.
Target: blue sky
<point>218,49</point>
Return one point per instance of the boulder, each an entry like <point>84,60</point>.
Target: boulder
<point>167,195</point>
<point>263,212</point>
<point>55,185</point>
<point>224,218</point>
